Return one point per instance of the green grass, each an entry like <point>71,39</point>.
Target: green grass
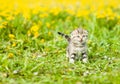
<point>36,62</point>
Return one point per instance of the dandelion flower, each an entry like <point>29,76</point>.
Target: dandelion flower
<point>42,40</point>
<point>48,25</point>
<point>11,36</point>
<point>10,55</point>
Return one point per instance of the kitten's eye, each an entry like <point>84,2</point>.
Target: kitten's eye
<point>78,36</point>
<point>84,35</point>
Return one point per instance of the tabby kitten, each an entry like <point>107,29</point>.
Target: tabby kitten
<point>77,47</point>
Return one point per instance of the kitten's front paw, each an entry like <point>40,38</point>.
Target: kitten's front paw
<point>85,60</point>
<point>71,61</point>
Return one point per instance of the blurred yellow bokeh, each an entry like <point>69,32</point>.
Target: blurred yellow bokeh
<point>101,8</point>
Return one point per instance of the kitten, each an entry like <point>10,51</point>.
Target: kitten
<point>77,47</point>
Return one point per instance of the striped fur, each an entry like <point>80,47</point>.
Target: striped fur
<point>77,48</point>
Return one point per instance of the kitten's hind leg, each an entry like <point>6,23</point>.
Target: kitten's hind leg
<point>84,57</point>
<point>72,58</point>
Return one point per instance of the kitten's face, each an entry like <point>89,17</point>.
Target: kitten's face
<point>79,36</point>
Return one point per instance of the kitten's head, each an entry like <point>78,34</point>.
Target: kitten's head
<point>79,36</point>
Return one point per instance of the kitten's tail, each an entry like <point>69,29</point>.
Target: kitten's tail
<point>65,36</point>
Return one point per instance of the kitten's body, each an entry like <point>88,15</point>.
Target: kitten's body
<point>77,48</point>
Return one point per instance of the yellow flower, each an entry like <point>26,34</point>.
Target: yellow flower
<point>42,40</point>
<point>10,55</point>
<point>1,26</point>
<point>26,15</point>
<point>100,14</point>
<point>10,17</point>
<point>111,18</point>
<point>55,11</point>
<point>4,23</point>
<point>36,34</point>
<point>14,44</point>
<point>29,33</point>
<point>0,19</point>
<point>49,33</point>
<point>11,36</point>
<point>118,17</point>
<point>33,31</point>
<point>43,15</point>
<point>72,12</point>
<point>34,28</point>
<point>82,13</point>
<point>48,25</point>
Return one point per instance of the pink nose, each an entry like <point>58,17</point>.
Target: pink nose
<point>80,40</point>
